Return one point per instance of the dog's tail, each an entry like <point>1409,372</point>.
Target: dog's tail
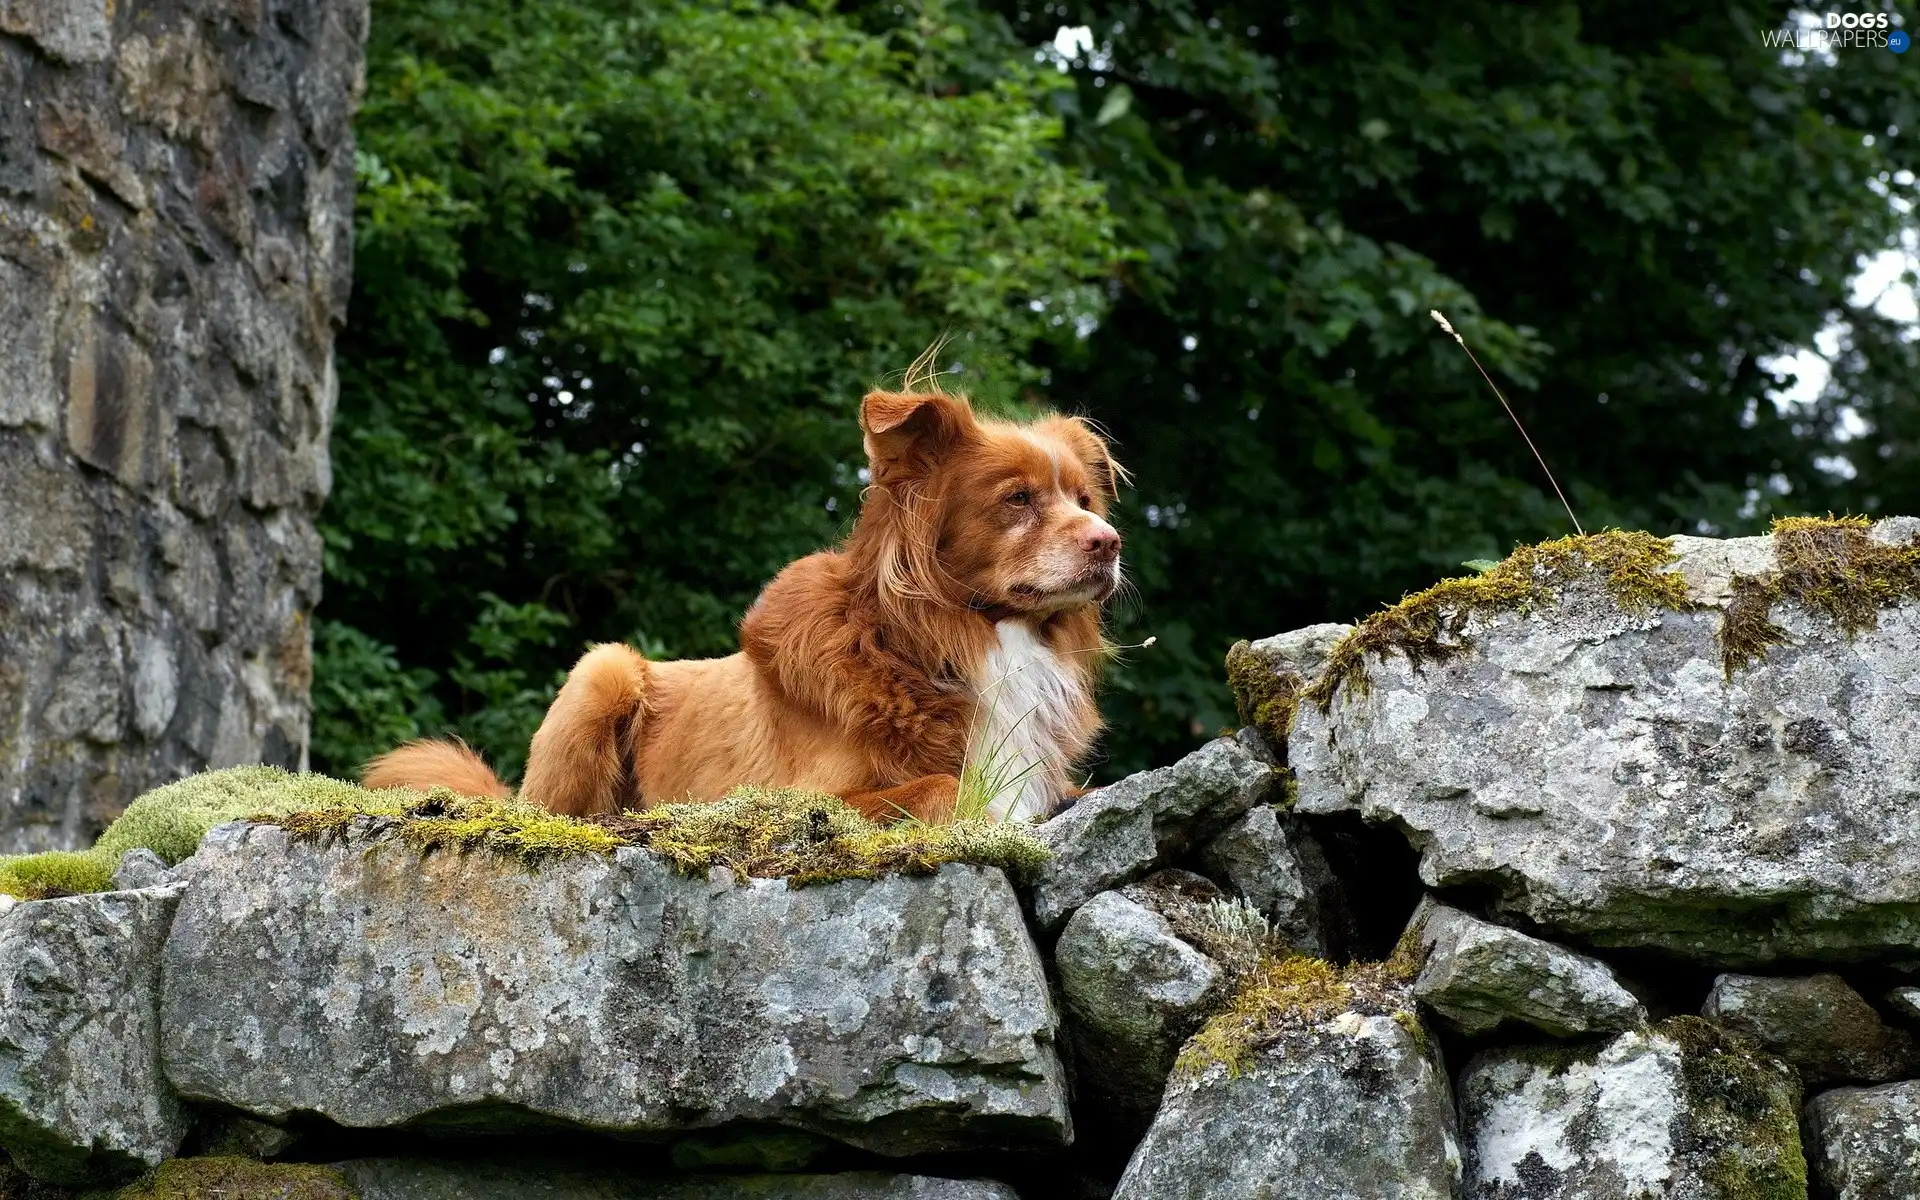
<point>427,764</point>
<point>584,758</point>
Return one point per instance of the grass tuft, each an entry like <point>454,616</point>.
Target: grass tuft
<point>1829,566</point>
<point>1426,626</point>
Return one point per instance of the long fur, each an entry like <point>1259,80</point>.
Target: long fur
<point>862,670</point>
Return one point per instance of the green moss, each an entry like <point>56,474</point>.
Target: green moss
<point>1744,1108</point>
<point>232,1178</point>
<point>767,832</point>
<point>170,821</point>
<point>1829,566</point>
<point>771,833</point>
<point>56,873</point>
<point>1265,695</point>
<point>809,837</point>
<point>1298,992</point>
<point>1426,626</point>
<point>444,820</point>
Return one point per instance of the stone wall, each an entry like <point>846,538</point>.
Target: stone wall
<point>1555,883</point>
<point>176,183</point>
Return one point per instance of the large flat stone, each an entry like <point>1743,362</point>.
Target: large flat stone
<point>82,1097</point>
<point>358,982</point>
<point>1604,777</point>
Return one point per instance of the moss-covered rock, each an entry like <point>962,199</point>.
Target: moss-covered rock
<point>170,821</point>
<point>1318,1081</point>
<point>1629,568</point>
<point>1561,736</point>
<point>344,973</point>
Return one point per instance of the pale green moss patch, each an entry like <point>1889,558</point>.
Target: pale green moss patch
<point>232,1179</point>
<point>170,821</point>
<point>444,820</point>
<point>1829,566</point>
<point>805,837</point>
<point>1426,626</point>
<point>56,873</point>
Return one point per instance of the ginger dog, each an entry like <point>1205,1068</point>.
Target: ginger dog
<point>959,623</point>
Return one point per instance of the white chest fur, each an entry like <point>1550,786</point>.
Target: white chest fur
<point>1027,699</point>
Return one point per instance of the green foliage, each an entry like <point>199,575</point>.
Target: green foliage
<point>1623,210</point>
<point>731,218</point>
<point>623,272</point>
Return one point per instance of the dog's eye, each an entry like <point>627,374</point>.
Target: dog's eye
<point>1086,501</point>
<point>1020,499</point>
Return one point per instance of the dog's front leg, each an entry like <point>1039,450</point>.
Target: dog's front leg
<point>930,798</point>
<point>582,761</point>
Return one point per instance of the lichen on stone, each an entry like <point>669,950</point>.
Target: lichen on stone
<point>1426,626</point>
<point>223,1178</point>
<point>1744,1107</point>
<point>1829,566</point>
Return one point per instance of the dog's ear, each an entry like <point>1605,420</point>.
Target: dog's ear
<point>906,431</point>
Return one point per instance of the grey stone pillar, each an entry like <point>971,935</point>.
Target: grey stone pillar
<point>176,191</point>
